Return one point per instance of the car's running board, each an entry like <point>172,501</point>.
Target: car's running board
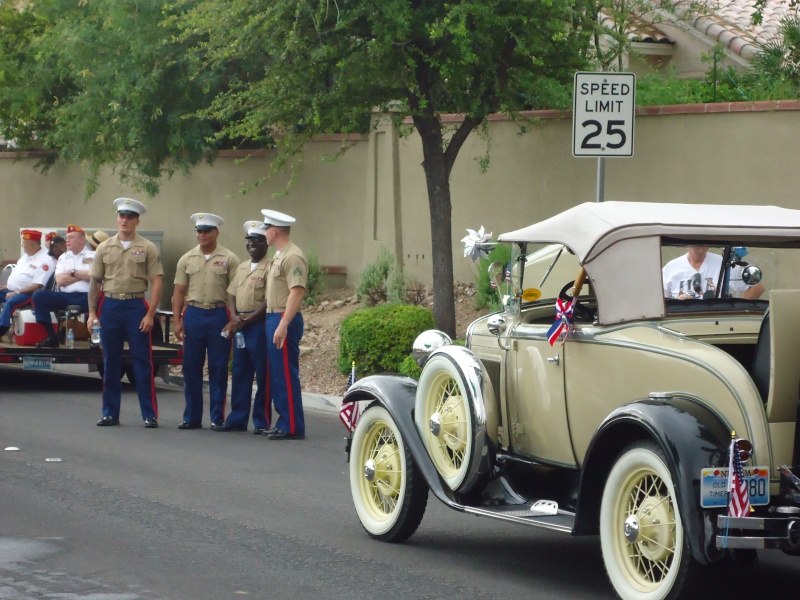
<point>526,514</point>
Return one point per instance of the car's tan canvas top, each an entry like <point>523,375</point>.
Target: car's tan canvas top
<point>590,228</point>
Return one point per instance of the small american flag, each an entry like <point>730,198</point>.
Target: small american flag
<point>350,411</point>
<point>739,501</point>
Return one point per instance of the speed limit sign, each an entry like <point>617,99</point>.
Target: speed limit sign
<point>603,110</point>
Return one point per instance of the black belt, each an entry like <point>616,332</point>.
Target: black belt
<point>207,306</point>
<point>124,296</point>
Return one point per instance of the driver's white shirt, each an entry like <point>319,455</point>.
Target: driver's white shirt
<point>680,271</point>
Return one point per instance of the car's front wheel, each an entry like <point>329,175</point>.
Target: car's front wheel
<point>641,529</point>
<point>389,493</point>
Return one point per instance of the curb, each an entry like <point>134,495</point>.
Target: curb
<point>311,401</point>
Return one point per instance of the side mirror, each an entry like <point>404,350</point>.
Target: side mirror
<point>751,275</point>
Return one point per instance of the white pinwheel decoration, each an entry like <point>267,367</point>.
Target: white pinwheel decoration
<point>477,244</point>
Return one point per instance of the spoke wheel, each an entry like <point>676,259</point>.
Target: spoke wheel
<point>641,531</point>
<point>443,418</point>
<point>388,491</point>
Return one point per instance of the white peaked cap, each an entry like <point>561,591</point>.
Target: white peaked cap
<point>255,228</point>
<point>129,205</point>
<point>206,220</point>
<point>278,219</point>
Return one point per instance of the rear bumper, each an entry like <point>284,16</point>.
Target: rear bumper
<point>782,533</point>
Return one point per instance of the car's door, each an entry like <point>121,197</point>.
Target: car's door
<point>536,400</point>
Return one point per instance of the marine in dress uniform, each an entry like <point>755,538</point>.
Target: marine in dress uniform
<point>200,298</point>
<point>247,305</point>
<point>72,284</point>
<point>34,269</point>
<point>123,266</point>
<point>286,286</point>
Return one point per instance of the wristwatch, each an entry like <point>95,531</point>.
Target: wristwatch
<point>72,272</point>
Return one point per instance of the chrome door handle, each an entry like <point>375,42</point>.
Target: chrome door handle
<point>554,359</point>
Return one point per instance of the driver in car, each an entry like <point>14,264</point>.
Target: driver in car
<point>695,274</point>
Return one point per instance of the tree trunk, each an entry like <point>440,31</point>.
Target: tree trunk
<point>437,178</point>
<point>444,308</point>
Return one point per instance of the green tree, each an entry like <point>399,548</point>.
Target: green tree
<point>104,83</point>
<point>299,68</point>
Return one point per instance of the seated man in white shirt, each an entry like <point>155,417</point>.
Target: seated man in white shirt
<point>33,271</point>
<point>696,274</point>
<point>72,284</point>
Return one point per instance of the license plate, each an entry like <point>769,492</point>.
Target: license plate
<point>37,362</point>
<point>714,486</point>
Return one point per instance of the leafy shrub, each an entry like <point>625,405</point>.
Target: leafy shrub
<point>314,286</point>
<point>485,294</point>
<point>380,338</point>
<point>372,288</point>
<point>410,368</point>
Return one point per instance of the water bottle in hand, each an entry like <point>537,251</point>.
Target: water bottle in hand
<point>239,338</point>
<point>96,334</point>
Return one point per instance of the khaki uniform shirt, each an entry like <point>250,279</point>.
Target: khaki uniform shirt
<point>289,269</point>
<point>126,270</point>
<point>207,281</point>
<point>250,287</point>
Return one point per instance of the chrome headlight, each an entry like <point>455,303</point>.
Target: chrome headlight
<point>427,342</point>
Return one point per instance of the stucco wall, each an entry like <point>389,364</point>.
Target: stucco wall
<point>375,194</point>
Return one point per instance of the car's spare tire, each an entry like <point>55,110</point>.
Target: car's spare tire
<point>451,415</point>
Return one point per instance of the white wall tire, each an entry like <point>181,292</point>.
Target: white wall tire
<point>641,529</point>
<point>389,493</point>
<point>443,416</point>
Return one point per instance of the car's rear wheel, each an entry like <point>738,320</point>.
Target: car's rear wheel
<point>389,493</point>
<point>641,529</point>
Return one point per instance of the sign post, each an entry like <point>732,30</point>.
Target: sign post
<point>603,112</point>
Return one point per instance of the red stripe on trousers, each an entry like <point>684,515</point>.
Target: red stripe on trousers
<point>289,394</point>
<point>152,368</point>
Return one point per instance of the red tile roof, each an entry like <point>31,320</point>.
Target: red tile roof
<point>728,22</point>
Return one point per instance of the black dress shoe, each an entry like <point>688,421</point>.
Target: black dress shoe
<point>270,431</point>
<point>108,422</point>
<point>224,427</point>
<point>50,342</point>
<point>151,423</point>
<point>260,431</point>
<point>285,435</point>
<point>187,425</point>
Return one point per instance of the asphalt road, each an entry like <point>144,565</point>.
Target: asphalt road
<point>129,513</point>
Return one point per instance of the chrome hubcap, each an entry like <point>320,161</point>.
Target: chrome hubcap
<point>631,529</point>
<point>435,424</point>
<point>369,470</point>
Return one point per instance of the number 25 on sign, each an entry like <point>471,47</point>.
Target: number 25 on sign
<point>603,109</point>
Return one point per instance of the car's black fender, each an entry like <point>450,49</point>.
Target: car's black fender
<point>398,394</point>
<point>691,436</point>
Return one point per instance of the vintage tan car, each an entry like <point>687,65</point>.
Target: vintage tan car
<point>622,425</point>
